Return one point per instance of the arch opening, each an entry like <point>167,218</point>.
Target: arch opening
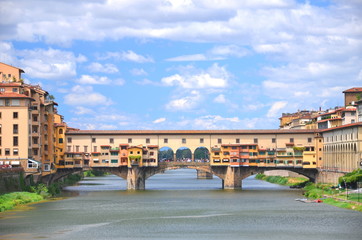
<point>202,154</point>
<point>184,154</point>
<point>165,154</point>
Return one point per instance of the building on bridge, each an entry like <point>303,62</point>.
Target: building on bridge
<point>236,148</point>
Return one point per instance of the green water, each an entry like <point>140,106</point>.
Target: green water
<point>178,206</point>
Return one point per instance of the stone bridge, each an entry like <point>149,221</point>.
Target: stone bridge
<point>136,176</point>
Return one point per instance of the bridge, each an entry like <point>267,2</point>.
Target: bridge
<point>136,176</point>
<point>232,155</point>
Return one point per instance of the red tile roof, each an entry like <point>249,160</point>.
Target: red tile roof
<point>343,126</point>
<point>353,90</point>
<point>189,132</point>
<point>14,95</point>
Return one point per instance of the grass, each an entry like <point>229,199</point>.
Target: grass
<point>287,181</point>
<point>11,200</point>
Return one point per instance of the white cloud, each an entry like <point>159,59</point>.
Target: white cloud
<point>79,110</point>
<point>220,99</point>
<point>275,109</point>
<point>87,79</point>
<point>48,64</point>
<point>85,96</point>
<point>214,77</point>
<point>185,103</point>
<point>138,72</point>
<point>217,53</point>
<point>126,56</point>
<point>159,120</point>
<point>99,80</point>
<point>104,68</point>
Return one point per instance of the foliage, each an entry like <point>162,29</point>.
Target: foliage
<point>135,158</point>
<point>11,200</point>
<point>94,173</point>
<point>40,189</point>
<point>301,149</point>
<point>166,154</point>
<point>318,190</point>
<point>289,181</point>
<point>340,204</point>
<point>351,179</point>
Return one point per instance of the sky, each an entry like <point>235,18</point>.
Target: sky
<point>184,64</point>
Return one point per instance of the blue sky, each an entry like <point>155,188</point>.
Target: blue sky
<point>184,64</point>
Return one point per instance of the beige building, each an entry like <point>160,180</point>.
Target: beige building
<point>27,114</point>
<point>342,151</point>
<point>141,145</point>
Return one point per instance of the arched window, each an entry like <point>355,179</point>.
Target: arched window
<point>61,131</point>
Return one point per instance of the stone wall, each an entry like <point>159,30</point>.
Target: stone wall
<point>10,181</point>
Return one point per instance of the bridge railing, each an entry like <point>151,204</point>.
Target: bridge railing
<point>183,164</point>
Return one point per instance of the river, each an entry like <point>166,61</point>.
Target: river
<point>176,205</point>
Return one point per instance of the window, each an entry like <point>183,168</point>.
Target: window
<point>15,152</point>
<point>60,140</point>
<point>147,140</point>
<point>15,141</point>
<point>237,140</point>
<point>85,148</point>
<point>60,131</point>
<point>184,140</point>
<point>129,140</point>
<point>7,151</point>
<point>15,115</point>
<point>111,140</point>
<point>165,140</point>
<point>35,152</point>
<point>0,128</point>
<point>219,140</point>
<point>93,140</point>
<point>201,140</point>
<point>2,89</point>
<point>69,140</point>
<point>15,102</point>
<point>114,161</point>
<point>7,102</point>
<point>94,148</point>
<point>309,140</point>
<point>151,153</point>
<point>274,140</point>
<point>0,141</point>
<point>255,140</point>
<point>15,129</point>
<point>77,148</point>
<point>291,140</point>
<point>15,90</point>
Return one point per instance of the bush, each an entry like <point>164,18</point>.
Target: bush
<point>351,179</point>
<point>11,200</point>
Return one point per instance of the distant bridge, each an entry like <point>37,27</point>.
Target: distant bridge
<point>136,176</point>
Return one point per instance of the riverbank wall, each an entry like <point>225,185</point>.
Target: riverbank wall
<point>10,180</point>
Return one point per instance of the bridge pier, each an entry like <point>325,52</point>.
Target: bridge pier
<point>204,175</point>
<point>232,179</point>
<point>136,178</point>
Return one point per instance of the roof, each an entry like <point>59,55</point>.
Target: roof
<point>14,95</point>
<point>343,126</point>
<point>189,132</point>
<point>21,70</point>
<point>353,90</point>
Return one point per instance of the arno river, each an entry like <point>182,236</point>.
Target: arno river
<point>178,206</point>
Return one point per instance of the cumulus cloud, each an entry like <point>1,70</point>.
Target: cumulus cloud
<point>220,99</point>
<point>103,68</point>
<point>138,72</point>
<point>99,80</point>
<point>275,109</point>
<point>85,96</point>
<point>185,103</point>
<point>159,120</point>
<point>126,56</point>
<point>213,77</point>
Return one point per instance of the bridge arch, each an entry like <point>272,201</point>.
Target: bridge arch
<point>184,154</point>
<point>166,154</point>
<point>202,154</point>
